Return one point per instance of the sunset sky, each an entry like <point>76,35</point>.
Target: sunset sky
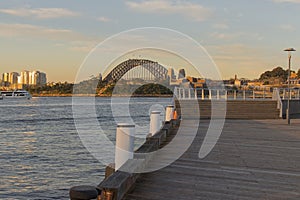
<point>54,36</point>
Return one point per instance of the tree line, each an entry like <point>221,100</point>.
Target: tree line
<point>276,76</point>
<point>95,87</point>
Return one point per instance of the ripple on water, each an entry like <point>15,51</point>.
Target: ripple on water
<point>41,154</point>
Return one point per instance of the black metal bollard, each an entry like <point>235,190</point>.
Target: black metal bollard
<point>83,192</point>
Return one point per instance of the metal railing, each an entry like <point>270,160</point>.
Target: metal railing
<point>277,97</point>
<point>227,94</point>
<point>284,93</point>
<point>221,94</point>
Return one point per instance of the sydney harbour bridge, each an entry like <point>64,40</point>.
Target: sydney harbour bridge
<point>137,68</point>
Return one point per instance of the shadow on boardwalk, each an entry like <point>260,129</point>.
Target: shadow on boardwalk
<point>254,159</point>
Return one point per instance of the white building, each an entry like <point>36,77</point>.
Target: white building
<point>13,77</point>
<point>171,74</point>
<point>32,78</point>
<point>42,79</point>
<point>37,78</point>
<point>5,77</point>
<point>24,78</point>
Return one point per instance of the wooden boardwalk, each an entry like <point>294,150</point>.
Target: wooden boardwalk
<point>254,159</point>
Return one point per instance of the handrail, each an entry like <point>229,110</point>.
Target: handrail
<point>231,94</point>
<point>276,96</point>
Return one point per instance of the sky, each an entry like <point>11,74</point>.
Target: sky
<point>55,36</point>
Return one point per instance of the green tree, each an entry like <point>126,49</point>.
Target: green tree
<point>277,72</point>
<point>298,73</point>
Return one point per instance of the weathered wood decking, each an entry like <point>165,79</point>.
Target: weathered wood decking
<point>252,160</point>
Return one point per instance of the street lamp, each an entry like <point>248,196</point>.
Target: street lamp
<point>289,50</point>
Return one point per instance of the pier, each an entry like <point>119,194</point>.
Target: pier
<point>256,157</point>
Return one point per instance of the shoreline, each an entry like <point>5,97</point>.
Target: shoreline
<point>90,95</point>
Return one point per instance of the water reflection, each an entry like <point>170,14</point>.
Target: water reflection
<point>41,154</point>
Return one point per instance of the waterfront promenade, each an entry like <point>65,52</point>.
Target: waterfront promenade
<point>254,159</point>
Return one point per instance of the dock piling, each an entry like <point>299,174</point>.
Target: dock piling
<point>124,144</point>
<point>154,122</point>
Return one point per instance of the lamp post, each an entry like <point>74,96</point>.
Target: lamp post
<point>289,50</point>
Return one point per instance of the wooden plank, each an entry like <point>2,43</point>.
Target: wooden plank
<point>254,159</point>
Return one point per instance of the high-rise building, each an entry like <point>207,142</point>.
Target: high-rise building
<point>42,79</point>
<point>37,78</point>
<point>171,73</point>
<point>13,77</point>
<point>181,74</point>
<point>24,78</point>
<point>33,77</point>
<point>5,77</point>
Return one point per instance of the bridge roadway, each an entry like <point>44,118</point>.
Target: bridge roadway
<point>254,159</point>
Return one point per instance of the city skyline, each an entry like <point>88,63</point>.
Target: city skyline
<point>17,80</point>
<point>242,37</point>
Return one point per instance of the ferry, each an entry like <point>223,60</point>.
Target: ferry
<point>16,94</point>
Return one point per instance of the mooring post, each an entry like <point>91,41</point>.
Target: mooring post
<point>124,144</point>
<point>154,122</point>
<point>169,113</point>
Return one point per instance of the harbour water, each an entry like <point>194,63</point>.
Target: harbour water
<point>41,154</point>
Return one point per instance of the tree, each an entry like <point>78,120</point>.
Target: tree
<point>277,72</point>
<point>298,73</point>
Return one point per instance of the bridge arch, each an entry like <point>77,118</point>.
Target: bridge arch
<point>157,70</point>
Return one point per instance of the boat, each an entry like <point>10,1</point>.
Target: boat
<point>15,94</point>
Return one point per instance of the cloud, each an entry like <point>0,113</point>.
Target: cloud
<point>83,46</point>
<point>235,35</point>
<point>104,19</point>
<point>40,13</point>
<point>193,11</point>
<point>28,30</point>
<point>220,26</point>
<point>287,27</point>
<point>75,40</point>
<point>286,1</point>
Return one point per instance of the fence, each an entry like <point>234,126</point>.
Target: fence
<point>225,94</point>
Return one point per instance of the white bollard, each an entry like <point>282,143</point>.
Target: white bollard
<point>169,113</point>
<point>154,122</point>
<point>124,144</point>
